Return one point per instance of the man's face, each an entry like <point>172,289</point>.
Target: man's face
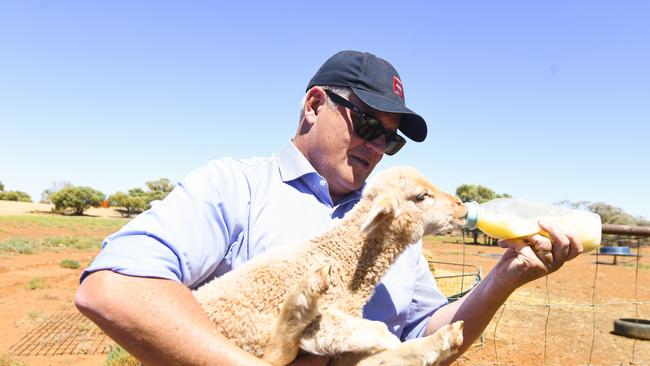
<point>344,159</point>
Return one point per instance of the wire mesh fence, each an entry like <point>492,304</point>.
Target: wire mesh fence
<point>68,333</point>
<point>454,279</point>
<point>552,323</point>
<point>540,325</point>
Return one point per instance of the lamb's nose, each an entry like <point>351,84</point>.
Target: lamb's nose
<point>461,210</point>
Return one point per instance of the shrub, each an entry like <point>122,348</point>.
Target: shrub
<point>24,246</point>
<point>71,242</point>
<point>118,356</point>
<point>34,314</point>
<point>158,189</point>
<point>37,283</point>
<point>56,186</point>
<point>78,199</point>
<point>69,263</point>
<point>17,245</point>
<point>137,200</point>
<point>17,196</point>
<point>128,204</point>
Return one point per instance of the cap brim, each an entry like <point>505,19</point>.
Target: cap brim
<point>411,125</point>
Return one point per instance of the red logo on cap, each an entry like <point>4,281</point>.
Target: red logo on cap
<point>397,87</point>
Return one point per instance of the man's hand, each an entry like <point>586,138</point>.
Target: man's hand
<point>530,258</point>
<point>524,260</point>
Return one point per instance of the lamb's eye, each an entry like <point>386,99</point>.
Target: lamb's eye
<point>421,196</point>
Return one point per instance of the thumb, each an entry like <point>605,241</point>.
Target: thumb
<point>516,244</point>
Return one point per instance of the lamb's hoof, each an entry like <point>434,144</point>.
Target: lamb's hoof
<point>380,338</point>
<point>325,274</point>
<point>456,335</point>
<point>318,282</point>
<point>427,351</point>
<point>444,343</point>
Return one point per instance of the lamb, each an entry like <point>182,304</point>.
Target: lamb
<point>278,305</point>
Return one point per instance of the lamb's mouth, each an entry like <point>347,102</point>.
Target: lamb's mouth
<point>460,223</point>
<point>448,228</point>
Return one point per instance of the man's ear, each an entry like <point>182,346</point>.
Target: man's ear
<point>384,206</point>
<point>316,98</point>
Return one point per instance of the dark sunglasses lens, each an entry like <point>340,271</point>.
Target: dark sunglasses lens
<point>393,144</point>
<point>368,129</point>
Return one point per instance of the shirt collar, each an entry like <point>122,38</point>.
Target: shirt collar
<point>293,165</point>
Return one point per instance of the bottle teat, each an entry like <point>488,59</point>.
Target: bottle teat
<point>471,220</point>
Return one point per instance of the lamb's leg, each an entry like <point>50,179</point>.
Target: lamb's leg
<point>297,311</point>
<point>336,332</point>
<point>427,351</point>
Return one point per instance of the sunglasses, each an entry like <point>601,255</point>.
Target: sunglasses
<point>369,128</point>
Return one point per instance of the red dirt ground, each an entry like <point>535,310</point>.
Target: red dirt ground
<point>526,328</point>
<point>525,335</point>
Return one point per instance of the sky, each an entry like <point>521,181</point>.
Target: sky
<point>543,100</point>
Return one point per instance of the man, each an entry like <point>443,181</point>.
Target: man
<point>231,210</point>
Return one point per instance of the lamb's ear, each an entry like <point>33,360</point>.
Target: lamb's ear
<point>384,206</point>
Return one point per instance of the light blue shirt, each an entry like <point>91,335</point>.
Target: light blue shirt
<point>231,210</point>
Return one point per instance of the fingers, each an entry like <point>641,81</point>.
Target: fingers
<point>565,245</point>
<point>553,249</point>
<point>516,244</point>
<point>527,259</point>
<point>532,250</point>
<point>543,249</point>
<point>534,245</point>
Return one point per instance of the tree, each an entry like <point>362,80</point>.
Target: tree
<point>55,187</point>
<point>160,185</point>
<point>78,199</point>
<point>158,189</point>
<point>137,200</point>
<point>480,194</point>
<point>641,221</point>
<point>128,204</point>
<point>613,215</point>
<point>15,196</point>
<point>137,192</point>
<point>610,215</point>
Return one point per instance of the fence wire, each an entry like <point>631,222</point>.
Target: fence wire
<point>549,305</point>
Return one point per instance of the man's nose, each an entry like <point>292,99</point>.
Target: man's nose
<point>378,145</point>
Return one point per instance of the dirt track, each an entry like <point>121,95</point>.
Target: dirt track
<point>19,208</point>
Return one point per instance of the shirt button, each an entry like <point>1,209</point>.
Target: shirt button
<point>323,183</point>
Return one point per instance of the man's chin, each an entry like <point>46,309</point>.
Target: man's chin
<point>359,177</point>
<point>359,163</point>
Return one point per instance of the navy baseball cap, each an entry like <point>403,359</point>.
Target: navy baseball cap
<point>375,82</point>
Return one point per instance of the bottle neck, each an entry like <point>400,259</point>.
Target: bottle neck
<point>471,220</point>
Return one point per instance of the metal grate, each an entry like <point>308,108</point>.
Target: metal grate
<point>63,334</point>
<point>454,279</point>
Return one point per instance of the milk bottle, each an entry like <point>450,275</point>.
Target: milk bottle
<point>509,218</point>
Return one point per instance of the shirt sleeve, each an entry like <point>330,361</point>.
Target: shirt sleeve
<point>185,236</point>
<point>426,300</point>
